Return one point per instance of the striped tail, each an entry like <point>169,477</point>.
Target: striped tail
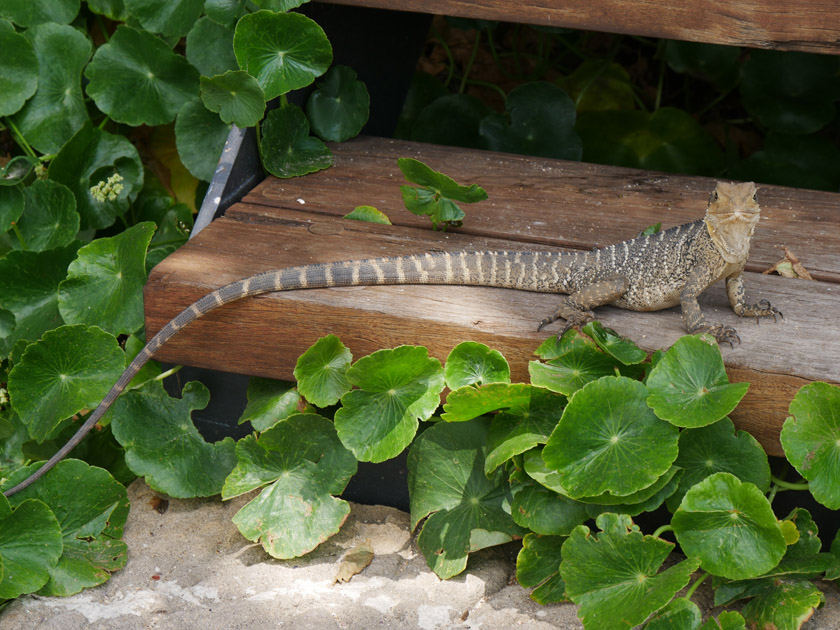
<point>529,271</point>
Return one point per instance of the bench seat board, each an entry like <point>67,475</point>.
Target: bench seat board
<point>534,204</point>
<point>804,25</point>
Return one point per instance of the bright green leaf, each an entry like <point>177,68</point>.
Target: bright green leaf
<point>167,17</point>
<point>287,149</point>
<point>679,614</point>
<point>305,465</point>
<point>718,448</point>
<point>112,9</point>
<point>71,368</point>
<point>235,96</point>
<point>811,440</point>
<point>33,12</point>
<point>397,388</point>
<point>543,511</point>
<point>598,85</point>
<point>785,606</point>
<point>29,290</point>
<point>223,11</point>
<point>136,62</point>
<point>50,219</point>
<point>609,440</point>
<point>338,108</point>
<point>162,444</point>
<point>635,504</point>
<point>210,48</point>
<point>727,620</point>
<point>284,51</point>
<point>12,203</point>
<point>269,402</point>
<point>321,371</point>
<point>471,363</point>
<point>468,402</point>
<point>466,510</point>
<point>536,469</point>
<point>369,214</point>
<point>90,157</point>
<point>279,5</point>
<point>57,110</point>
<point>730,527</point>
<point>30,545</point>
<point>689,386</point>
<point>91,518</point>
<point>538,564</point>
<point>613,575</point>
<point>539,120</point>
<point>104,285</point>
<point>200,136</point>
<point>569,372</point>
<point>418,173</point>
<point>614,345</point>
<point>18,72</point>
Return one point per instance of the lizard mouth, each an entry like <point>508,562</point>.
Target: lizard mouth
<point>731,234</point>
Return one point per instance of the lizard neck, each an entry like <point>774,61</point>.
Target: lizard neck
<point>731,217</point>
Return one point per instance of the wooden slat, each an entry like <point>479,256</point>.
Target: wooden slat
<point>805,25</point>
<point>264,335</point>
<point>555,202</point>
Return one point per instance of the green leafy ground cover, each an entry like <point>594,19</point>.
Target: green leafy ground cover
<point>96,188</point>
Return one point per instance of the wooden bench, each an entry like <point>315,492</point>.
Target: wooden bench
<point>533,203</point>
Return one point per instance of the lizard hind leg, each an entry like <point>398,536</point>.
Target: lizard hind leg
<point>576,307</point>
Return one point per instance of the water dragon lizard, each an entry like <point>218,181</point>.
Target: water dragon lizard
<point>647,273</point>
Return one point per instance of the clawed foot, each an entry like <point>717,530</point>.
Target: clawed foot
<point>574,322</point>
<point>723,334</point>
<point>762,309</point>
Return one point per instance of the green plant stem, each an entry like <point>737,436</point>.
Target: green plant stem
<point>662,529</point>
<point>487,84</point>
<point>19,138</point>
<point>19,236</point>
<point>450,59</point>
<point>713,102</point>
<point>103,122</point>
<point>159,377</point>
<point>786,485</point>
<point>102,28</point>
<point>470,62</point>
<point>694,585</point>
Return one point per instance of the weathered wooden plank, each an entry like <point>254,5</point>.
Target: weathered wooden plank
<point>806,25</point>
<point>556,202</point>
<point>264,335</point>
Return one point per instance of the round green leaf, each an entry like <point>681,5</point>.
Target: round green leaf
<point>718,448</point>
<point>709,62</point>
<point>466,403</point>
<point>57,110</point>
<point>397,388</point>
<point>71,368</point>
<point>614,345</point>
<point>665,486</point>
<point>11,206</point>
<point>167,17</point>
<point>210,48</point>
<point>136,62</point>
<point>50,219</point>
<point>572,370</point>
<point>338,108</point>
<point>811,440</point>
<point>471,363</point>
<point>667,140</point>
<point>89,157</point>
<point>92,517</point>
<point>791,92</point>
<point>613,575</point>
<point>609,440</point>
<point>539,120</point>
<point>200,137</point>
<point>235,96</point>
<point>29,290</point>
<point>546,512</point>
<point>30,545</point>
<point>284,51</point>
<point>466,510</point>
<point>418,173</point>
<point>162,444</point>
<point>269,402</point>
<point>18,72</point>
<point>424,89</point>
<point>369,214</point>
<point>538,564</point>
<point>598,85</point>
<point>452,120</point>
<point>305,465</point>
<point>689,386</point>
<point>32,12</point>
<point>321,371</point>
<point>730,527</point>
<point>223,11</point>
<point>18,168</point>
<point>104,285</point>
<point>680,613</point>
<point>287,150</point>
<point>112,9</point>
<point>786,605</point>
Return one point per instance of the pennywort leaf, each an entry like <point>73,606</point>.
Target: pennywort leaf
<point>321,371</point>
<point>287,149</point>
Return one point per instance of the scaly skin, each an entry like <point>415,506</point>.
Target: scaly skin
<point>643,274</point>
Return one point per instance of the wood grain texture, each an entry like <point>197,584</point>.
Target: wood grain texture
<point>805,25</point>
<point>538,204</point>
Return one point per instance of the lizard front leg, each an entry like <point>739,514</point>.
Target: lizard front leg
<point>738,300</point>
<point>693,316</point>
<point>576,307</point>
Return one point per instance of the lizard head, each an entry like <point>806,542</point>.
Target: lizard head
<point>730,219</point>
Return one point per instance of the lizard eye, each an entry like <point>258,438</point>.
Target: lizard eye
<point>713,196</point>
<point>755,196</point>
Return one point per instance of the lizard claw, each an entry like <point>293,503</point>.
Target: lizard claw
<point>724,334</point>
